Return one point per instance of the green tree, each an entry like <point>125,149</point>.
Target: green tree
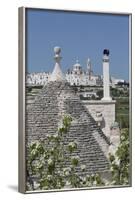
<point>120,161</point>
<point>100,94</point>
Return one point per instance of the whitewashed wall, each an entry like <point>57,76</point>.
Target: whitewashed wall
<point>107,108</point>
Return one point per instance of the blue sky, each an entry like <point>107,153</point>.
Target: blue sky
<point>80,35</point>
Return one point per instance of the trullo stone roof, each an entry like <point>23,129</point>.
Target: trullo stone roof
<point>44,114</point>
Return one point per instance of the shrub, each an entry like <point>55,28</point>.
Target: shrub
<point>119,163</point>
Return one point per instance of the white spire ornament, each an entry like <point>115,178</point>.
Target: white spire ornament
<point>57,74</point>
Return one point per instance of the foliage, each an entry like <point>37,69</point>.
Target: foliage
<point>122,112</point>
<point>120,161</point>
<point>100,93</point>
<point>92,97</point>
<point>124,121</point>
<point>120,92</point>
<point>45,163</point>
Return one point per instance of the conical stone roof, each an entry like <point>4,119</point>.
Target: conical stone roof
<point>44,114</point>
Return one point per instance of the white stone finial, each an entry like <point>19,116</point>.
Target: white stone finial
<point>57,74</point>
<point>106,76</point>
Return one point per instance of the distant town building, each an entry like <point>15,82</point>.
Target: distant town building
<point>37,78</point>
<point>75,75</point>
<point>115,81</point>
<point>78,76</point>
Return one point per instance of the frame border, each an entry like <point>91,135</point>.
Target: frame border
<point>21,114</point>
<point>21,98</point>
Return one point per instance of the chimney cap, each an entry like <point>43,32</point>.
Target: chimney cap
<point>106,52</point>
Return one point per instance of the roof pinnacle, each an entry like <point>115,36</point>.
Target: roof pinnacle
<point>57,74</point>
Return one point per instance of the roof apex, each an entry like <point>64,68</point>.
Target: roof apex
<point>57,74</point>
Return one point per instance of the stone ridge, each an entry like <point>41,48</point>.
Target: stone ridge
<point>45,113</point>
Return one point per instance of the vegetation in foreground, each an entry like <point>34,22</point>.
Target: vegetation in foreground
<point>120,162</point>
<point>45,162</point>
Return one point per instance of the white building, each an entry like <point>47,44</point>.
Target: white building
<point>37,78</point>
<point>115,81</point>
<point>78,76</point>
<point>75,76</point>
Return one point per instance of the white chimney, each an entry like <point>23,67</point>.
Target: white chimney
<point>106,76</point>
